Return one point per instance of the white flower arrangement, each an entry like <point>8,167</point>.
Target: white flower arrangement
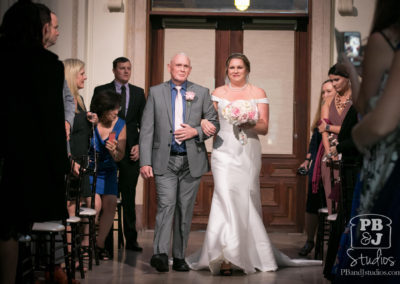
<point>240,112</point>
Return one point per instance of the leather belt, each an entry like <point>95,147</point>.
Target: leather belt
<point>178,153</point>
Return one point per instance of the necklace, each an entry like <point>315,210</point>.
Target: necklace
<point>341,105</point>
<point>237,89</point>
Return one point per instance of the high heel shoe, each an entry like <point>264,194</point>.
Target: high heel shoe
<point>226,269</point>
<point>308,247</point>
<point>103,253</point>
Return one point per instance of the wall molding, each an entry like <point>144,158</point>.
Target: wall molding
<point>115,5</point>
<point>346,8</point>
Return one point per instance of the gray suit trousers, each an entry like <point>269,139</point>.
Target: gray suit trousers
<point>176,195</point>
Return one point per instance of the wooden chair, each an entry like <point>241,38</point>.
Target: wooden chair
<point>326,220</point>
<point>25,268</point>
<point>43,235</point>
<point>89,213</point>
<point>74,185</point>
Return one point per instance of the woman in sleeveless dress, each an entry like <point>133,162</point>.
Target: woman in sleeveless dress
<point>75,77</point>
<point>381,49</point>
<point>315,201</point>
<point>109,141</point>
<point>236,236</point>
<point>333,112</point>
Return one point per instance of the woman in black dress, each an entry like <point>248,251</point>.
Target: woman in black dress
<point>81,130</point>
<point>314,201</point>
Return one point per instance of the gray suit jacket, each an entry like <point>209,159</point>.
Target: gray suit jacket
<point>156,132</point>
<point>69,105</point>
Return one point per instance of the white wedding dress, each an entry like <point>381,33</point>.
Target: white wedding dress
<point>235,230</point>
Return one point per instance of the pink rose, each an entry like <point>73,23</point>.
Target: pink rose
<point>252,114</point>
<point>236,111</point>
<point>190,96</point>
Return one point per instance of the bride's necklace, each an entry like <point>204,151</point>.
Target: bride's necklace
<point>237,89</point>
<point>341,105</point>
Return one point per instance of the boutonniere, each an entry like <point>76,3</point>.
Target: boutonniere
<point>189,96</point>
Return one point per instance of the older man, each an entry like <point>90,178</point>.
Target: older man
<point>172,150</point>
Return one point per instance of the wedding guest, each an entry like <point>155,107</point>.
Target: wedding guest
<point>314,201</point>
<point>378,174</point>
<point>381,126</point>
<point>379,55</point>
<point>333,112</point>
<point>50,18</point>
<point>79,138</point>
<point>109,143</point>
<point>36,180</point>
<point>132,105</point>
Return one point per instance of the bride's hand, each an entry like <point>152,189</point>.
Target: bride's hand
<point>247,125</point>
<point>207,127</point>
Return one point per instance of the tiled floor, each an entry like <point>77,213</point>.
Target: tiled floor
<point>131,267</point>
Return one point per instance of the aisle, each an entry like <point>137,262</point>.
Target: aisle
<point>131,267</point>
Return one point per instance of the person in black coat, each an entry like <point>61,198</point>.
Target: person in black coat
<point>33,152</point>
<point>132,105</point>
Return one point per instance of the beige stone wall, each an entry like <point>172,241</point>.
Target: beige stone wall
<point>271,54</point>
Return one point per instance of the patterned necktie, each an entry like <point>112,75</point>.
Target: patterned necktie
<point>178,110</point>
<point>123,101</point>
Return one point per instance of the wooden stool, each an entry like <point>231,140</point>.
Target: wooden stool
<point>41,231</point>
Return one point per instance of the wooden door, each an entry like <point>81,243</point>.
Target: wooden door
<point>208,42</point>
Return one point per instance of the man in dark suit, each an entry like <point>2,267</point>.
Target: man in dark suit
<point>132,105</point>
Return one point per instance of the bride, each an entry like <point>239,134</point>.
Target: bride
<point>236,236</point>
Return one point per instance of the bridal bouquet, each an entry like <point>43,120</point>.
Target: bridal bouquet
<point>240,112</point>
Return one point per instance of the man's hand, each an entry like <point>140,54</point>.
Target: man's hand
<point>134,155</point>
<point>208,128</point>
<point>185,133</point>
<point>67,129</point>
<point>146,172</point>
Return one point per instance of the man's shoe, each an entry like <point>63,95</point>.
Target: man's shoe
<point>134,247</point>
<point>307,248</point>
<point>180,265</point>
<point>160,262</point>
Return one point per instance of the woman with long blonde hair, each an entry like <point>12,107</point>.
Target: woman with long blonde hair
<point>314,200</point>
<point>75,76</point>
<point>74,70</point>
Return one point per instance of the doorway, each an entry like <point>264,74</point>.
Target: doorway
<point>278,49</point>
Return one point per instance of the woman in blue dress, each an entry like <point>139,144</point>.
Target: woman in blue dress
<point>109,141</point>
